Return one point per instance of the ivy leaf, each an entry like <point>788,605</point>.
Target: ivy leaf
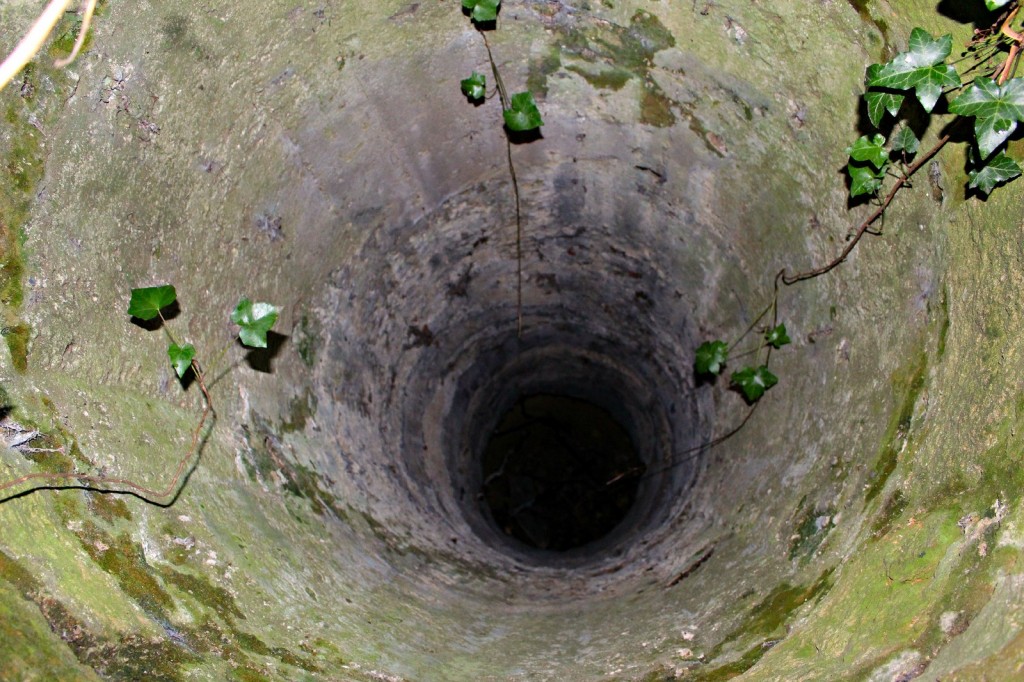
<point>881,102</point>
<point>483,11</point>
<point>522,113</point>
<point>905,141</point>
<point>147,302</point>
<point>181,357</point>
<point>255,320</point>
<point>1000,169</point>
<point>996,108</point>
<point>754,382</point>
<point>711,356</point>
<point>864,180</point>
<point>777,337</point>
<point>474,87</point>
<point>871,150</point>
<point>995,4</point>
<point>922,68</point>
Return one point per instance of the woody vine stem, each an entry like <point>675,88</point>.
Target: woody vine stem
<point>996,103</point>
<point>148,304</point>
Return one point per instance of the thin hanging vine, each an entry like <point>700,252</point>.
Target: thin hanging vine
<point>519,112</point>
<point>905,89</point>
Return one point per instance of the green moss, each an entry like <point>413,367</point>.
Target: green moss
<point>1002,476</point>
<point>762,624</point>
<point>607,79</point>
<point>216,598</point>
<point>811,532</point>
<point>744,663</point>
<point>301,409</point>
<point>132,657</point>
<point>17,575</point>
<point>129,658</point>
<point>266,461</point>
<point>248,674</point>
<point>49,457</point>
<point>257,646</point>
<point>910,387</point>
<point>108,507</point>
<point>538,72</point>
<point>138,658</point>
<point>125,561</point>
<point>656,108</point>
<point>28,107</point>
<point>12,271</point>
<point>630,50</point>
<point>307,340</point>
<point>863,8</point>
<point>24,167</point>
<point>66,33</point>
<point>891,510</point>
<point>943,323</point>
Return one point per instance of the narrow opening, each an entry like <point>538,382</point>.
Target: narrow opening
<point>559,472</point>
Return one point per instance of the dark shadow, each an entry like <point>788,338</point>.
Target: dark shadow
<point>964,12</point>
<point>481,25</point>
<point>524,136</point>
<point>188,379</point>
<point>704,379</point>
<point>169,313</point>
<point>95,487</point>
<point>261,359</point>
<point>972,163</point>
<point>701,450</point>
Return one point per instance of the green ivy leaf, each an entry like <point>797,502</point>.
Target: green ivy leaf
<point>922,68</point>
<point>474,87</point>
<point>871,150</point>
<point>181,357</point>
<point>522,113</point>
<point>864,180</point>
<point>255,320</point>
<point>996,108</point>
<point>147,302</point>
<point>995,4</point>
<point>777,337</point>
<point>881,102</point>
<point>711,356</point>
<point>905,141</point>
<point>1000,169</point>
<point>754,381</point>
<point>483,11</point>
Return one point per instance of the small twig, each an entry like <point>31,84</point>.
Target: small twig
<point>88,7</point>
<point>32,41</point>
<point>691,453</point>
<point>506,104</point>
<point>126,486</point>
<point>1007,31</point>
<point>519,241</point>
<point>503,94</point>
<point>869,221</point>
<point>752,325</point>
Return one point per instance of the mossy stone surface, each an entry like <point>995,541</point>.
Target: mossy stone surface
<point>866,522</point>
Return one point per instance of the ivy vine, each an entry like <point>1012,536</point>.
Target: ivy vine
<point>149,304</point>
<point>902,94</point>
<point>519,114</point>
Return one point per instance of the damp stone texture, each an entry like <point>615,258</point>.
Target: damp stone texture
<point>864,522</point>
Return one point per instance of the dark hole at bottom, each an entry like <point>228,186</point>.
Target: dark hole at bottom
<point>559,472</point>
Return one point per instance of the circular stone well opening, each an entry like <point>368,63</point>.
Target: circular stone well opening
<point>479,450</point>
